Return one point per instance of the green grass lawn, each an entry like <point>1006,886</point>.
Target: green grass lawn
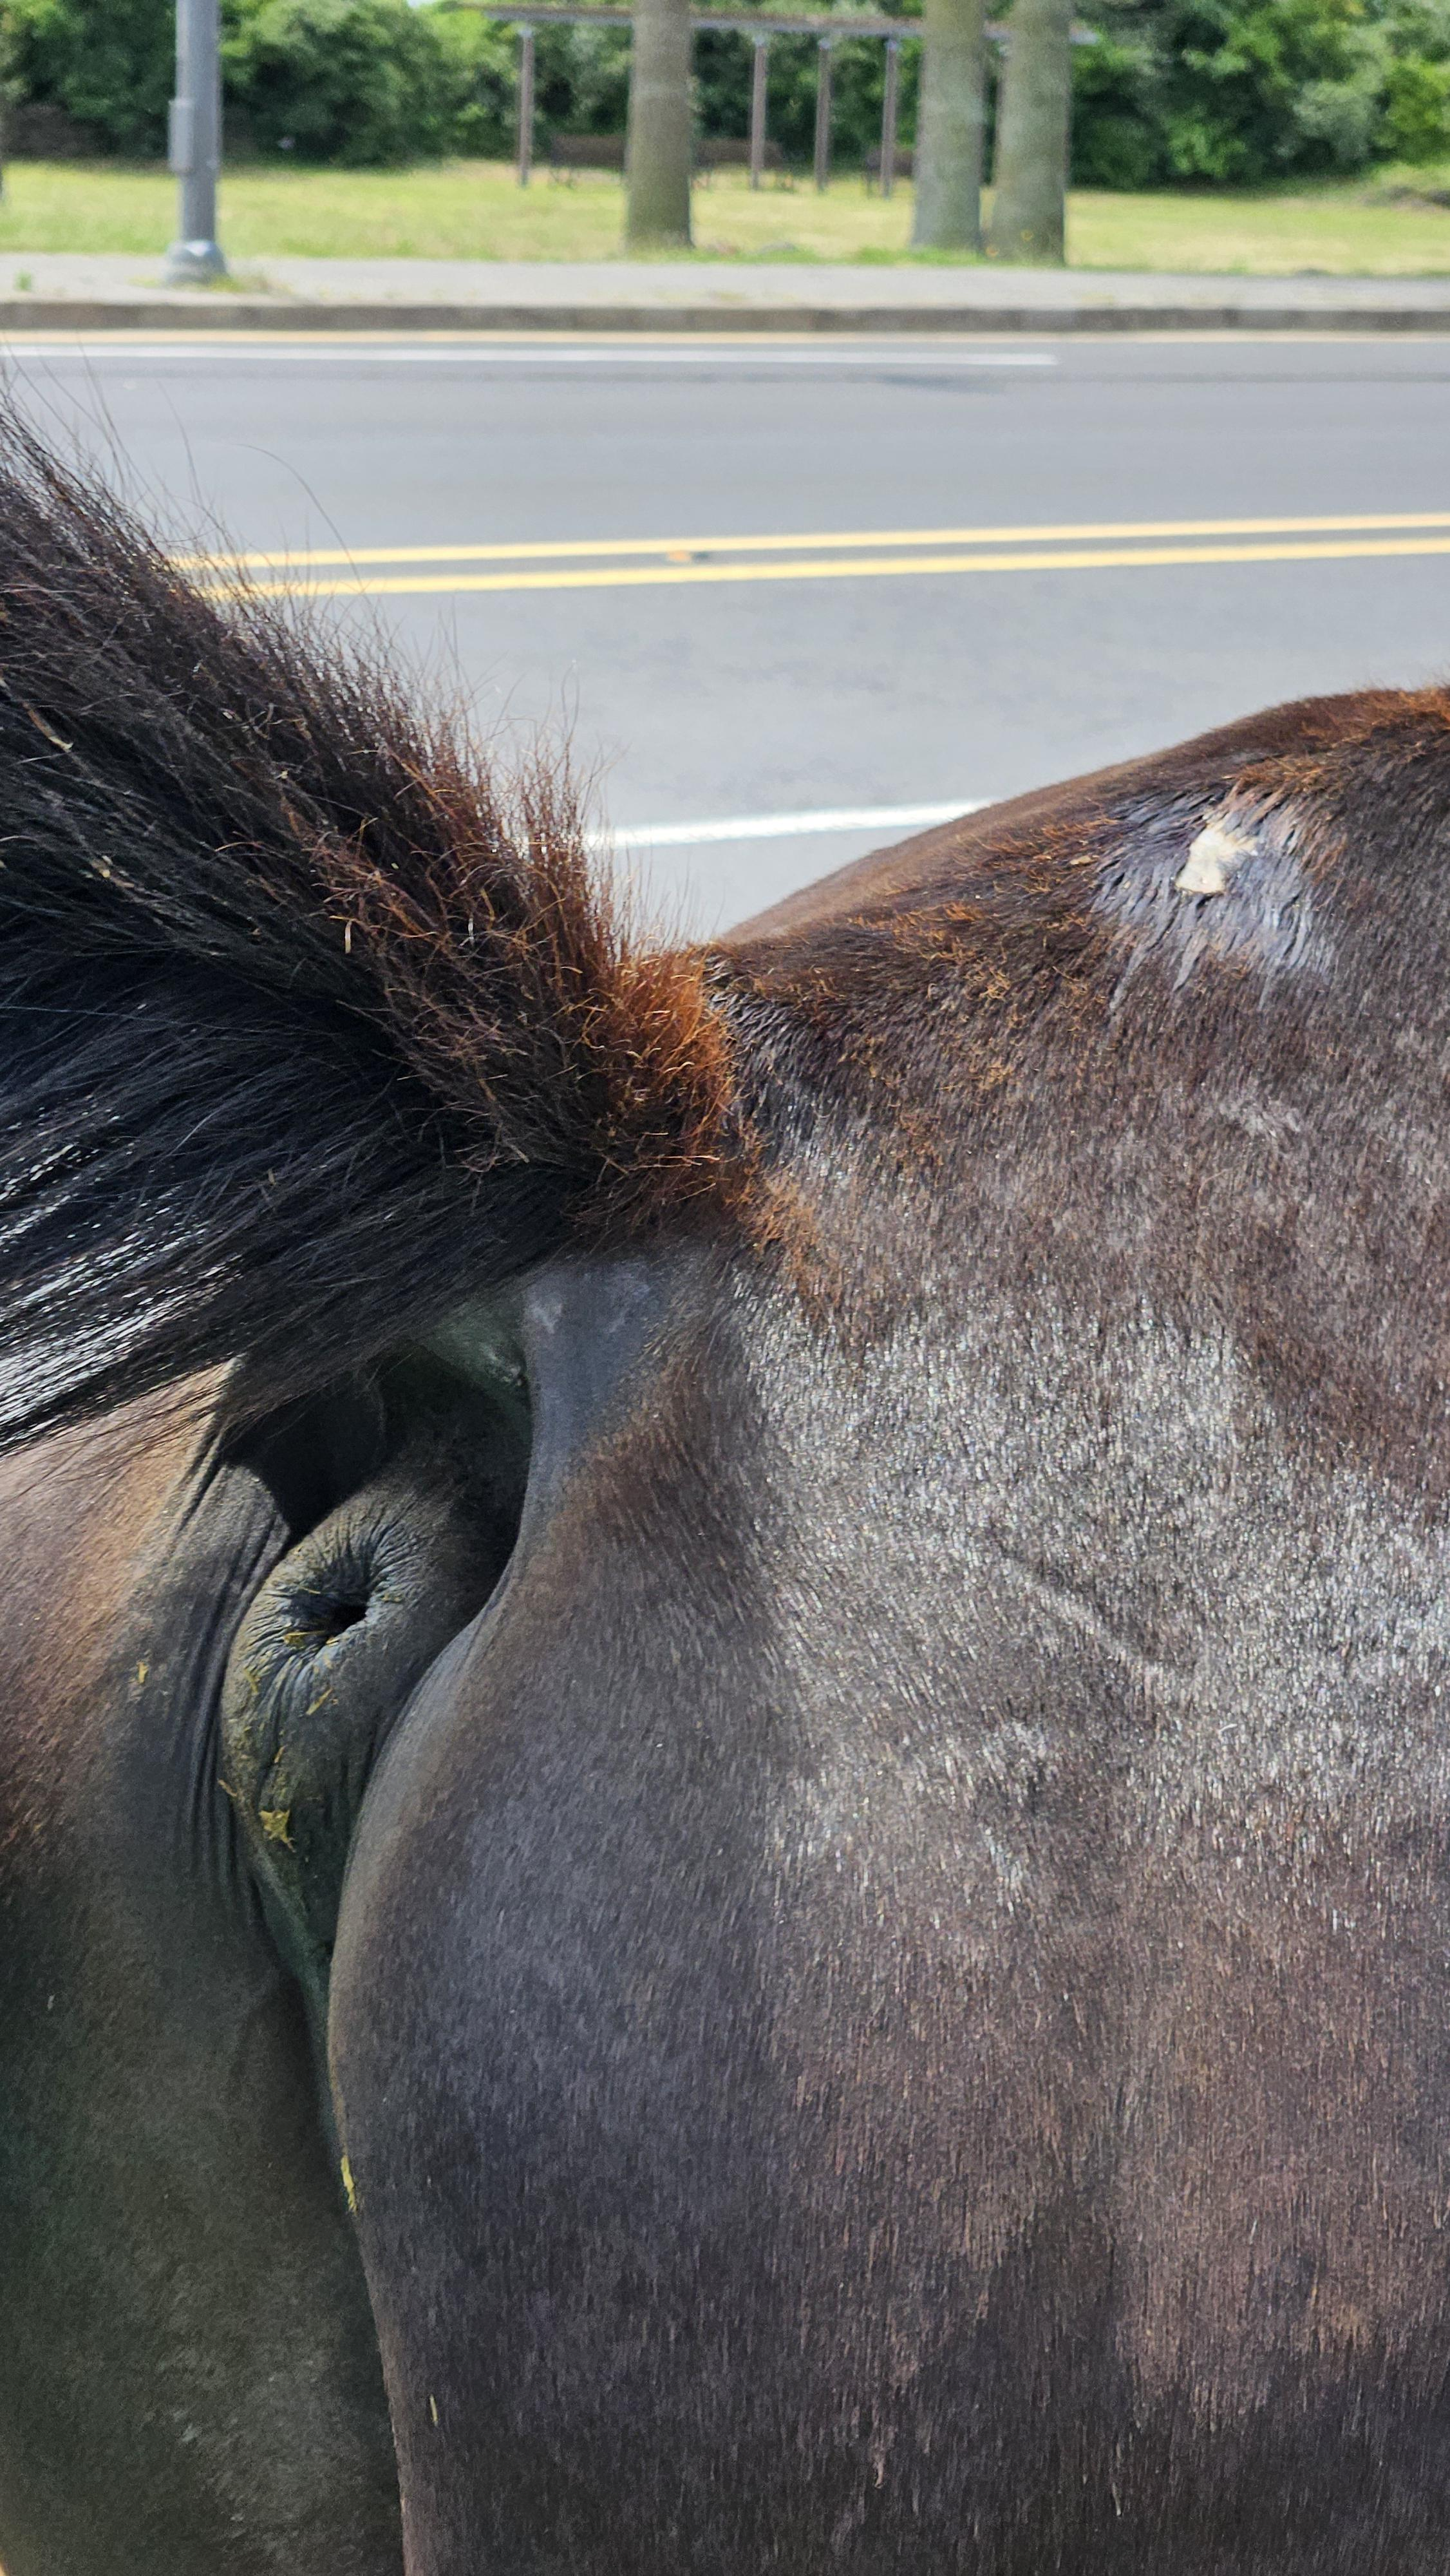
<point>1387,226</point>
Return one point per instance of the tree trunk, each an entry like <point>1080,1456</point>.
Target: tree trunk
<point>1033,111</point>
<point>949,128</point>
<point>659,127</point>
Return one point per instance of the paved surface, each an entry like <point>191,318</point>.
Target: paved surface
<point>758,580</point>
<point>50,288</point>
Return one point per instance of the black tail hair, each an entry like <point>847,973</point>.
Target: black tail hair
<point>306,1029</point>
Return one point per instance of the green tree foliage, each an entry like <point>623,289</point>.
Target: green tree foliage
<point>107,62</point>
<point>352,81</point>
<point>359,82</point>
<point>1233,92</point>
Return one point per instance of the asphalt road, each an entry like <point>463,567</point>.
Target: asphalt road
<point>938,662</point>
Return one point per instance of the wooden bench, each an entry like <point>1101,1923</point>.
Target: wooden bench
<point>570,152</point>
<point>903,163</point>
<point>732,152</point>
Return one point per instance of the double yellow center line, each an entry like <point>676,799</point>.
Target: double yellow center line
<point>620,563</point>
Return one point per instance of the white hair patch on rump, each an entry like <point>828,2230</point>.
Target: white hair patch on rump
<point>1212,857</point>
<point>1238,896</point>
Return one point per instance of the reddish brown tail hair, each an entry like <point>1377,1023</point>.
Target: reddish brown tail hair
<point>307,1028</point>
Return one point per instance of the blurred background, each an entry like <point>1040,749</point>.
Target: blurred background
<point>789,593</point>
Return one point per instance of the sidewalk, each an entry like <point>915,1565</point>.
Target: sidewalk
<point>70,291</point>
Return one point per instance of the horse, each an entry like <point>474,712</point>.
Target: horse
<point>725,1785</point>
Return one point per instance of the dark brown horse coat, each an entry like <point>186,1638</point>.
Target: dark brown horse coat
<point>808,1636</point>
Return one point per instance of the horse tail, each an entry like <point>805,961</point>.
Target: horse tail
<point>310,1026</point>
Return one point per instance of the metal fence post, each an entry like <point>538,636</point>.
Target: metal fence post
<point>757,108</point>
<point>526,104</point>
<point>888,118</point>
<point>823,112</point>
<point>194,144</point>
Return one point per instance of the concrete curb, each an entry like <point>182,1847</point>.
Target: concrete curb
<point>21,315</point>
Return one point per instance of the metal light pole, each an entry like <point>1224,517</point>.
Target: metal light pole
<point>195,144</point>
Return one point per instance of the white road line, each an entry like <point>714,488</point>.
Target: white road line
<point>882,353</point>
<point>781,827</point>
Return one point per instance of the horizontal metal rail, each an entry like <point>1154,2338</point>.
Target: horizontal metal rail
<point>555,13</point>
<point>822,22</point>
